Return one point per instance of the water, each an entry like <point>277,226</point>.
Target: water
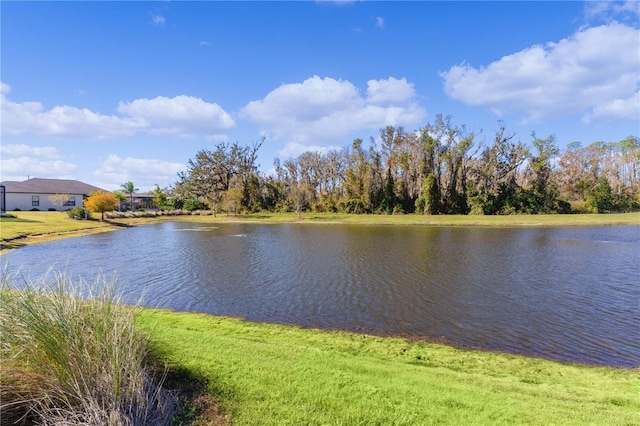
<point>569,294</point>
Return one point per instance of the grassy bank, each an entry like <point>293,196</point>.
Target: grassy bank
<point>34,227</point>
<point>22,228</point>
<point>427,220</point>
<point>278,375</point>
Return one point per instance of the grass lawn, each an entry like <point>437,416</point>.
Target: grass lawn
<point>264,374</point>
<point>29,227</point>
<point>33,227</point>
<point>440,220</point>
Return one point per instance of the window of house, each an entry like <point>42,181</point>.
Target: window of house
<point>35,200</point>
<point>71,202</point>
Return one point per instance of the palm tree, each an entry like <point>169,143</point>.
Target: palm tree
<point>129,188</point>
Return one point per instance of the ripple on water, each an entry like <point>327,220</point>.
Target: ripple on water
<point>563,293</point>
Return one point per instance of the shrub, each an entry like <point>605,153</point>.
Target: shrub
<point>562,206</point>
<point>398,209</point>
<point>35,209</point>
<point>627,204</point>
<point>282,207</point>
<point>78,213</point>
<point>69,360</point>
<point>51,209</point>
<point>580,207</point>
<point>192,205</point>
<point>354,206</point>
<point>476,209</point>
<point>600,198</point>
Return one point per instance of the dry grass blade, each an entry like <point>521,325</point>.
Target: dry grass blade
<point>72,356</point>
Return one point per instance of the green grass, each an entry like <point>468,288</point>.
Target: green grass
<point>262,374</point>
<point>66,359</point>
<point>440,220</point>
<point>28,227</point>
<point>424,220</point>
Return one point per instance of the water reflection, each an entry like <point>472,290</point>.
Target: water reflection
<point>562,293</point>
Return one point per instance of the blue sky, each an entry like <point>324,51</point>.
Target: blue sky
<point>109,92</point>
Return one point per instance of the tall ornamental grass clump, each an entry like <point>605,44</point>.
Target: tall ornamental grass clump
<point>70,355</point>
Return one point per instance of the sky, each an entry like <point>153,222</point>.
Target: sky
<point>110,92</point>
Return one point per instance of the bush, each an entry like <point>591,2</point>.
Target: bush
<point>193,205</point>
<point>128,215</point>
<point>78,213</point>
<point>627,205</point>
<point>580,207</point>
<point>562,206</point>
<point>69,360</point>
<point>35,209</point>
<point>355,206</point>
<point>477,210</point>
<point>325,204</point>
<point>51,209</point>
<point>398,209</point>
<point>600,198</point>
<point>282,207</point>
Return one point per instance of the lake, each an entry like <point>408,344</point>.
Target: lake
<point>570,294</point>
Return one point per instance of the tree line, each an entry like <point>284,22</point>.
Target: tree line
<point>441,168</point>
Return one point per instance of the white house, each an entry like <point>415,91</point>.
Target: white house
<point>36,194</point>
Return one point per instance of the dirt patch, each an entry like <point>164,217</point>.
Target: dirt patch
<point>197,406</point>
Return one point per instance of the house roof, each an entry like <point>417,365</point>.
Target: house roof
<point>142,195</point>
<point>49,186</point>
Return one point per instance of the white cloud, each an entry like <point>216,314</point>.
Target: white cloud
<point>157,19</point>
<point>610,10</point>
<point>20,161</point>
<point>30,151</point>
<point>585,72</point>
<point>306,101</point>
<point>4,88</point>
<point>325,110</point>
<point>294,150</point>
<point>63,121</point>
<point>380,22</point>
<point>389,90</point>
<point>616,109</point>
<point>145,173</point>
<point>20,168</point>
<point>181,116</point>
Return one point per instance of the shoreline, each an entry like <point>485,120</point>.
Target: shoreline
<point>13,237</point>
<point>259,366</point>
<point>409,339</point>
